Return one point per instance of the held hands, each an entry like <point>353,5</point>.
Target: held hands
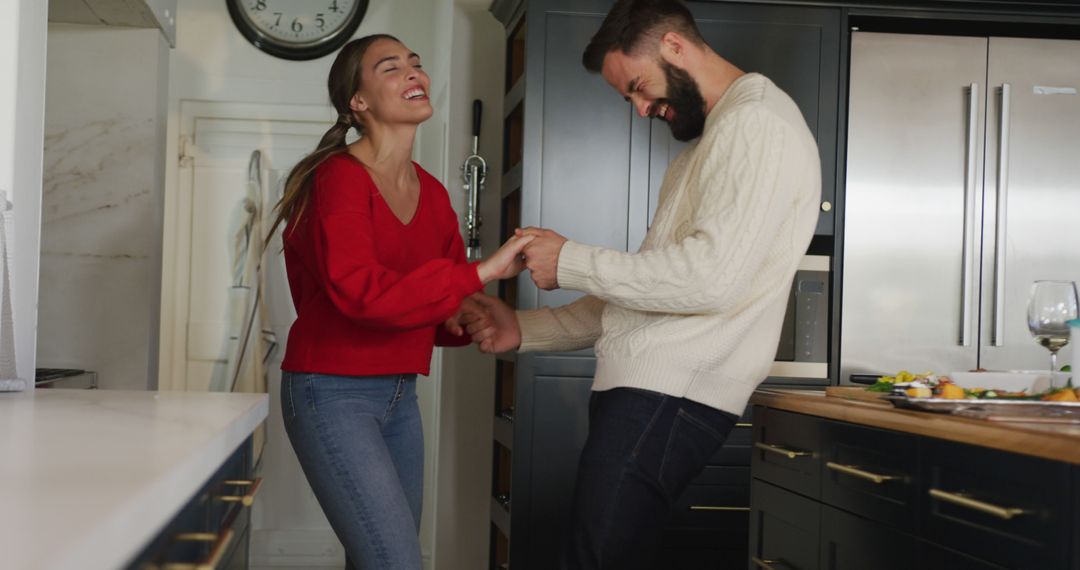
<point>492,324</point>
<point>542,256</point>
<point>506,262</point>
<point>469,305</point>
<point>534,248</point>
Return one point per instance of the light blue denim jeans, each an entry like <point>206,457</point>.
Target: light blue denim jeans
<point>361,445</point>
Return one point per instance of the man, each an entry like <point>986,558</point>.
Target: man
<point>685,328</point>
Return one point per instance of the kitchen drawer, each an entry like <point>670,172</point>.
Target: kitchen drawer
<point>736,448</point>
<point>701,559</point>
<point>720,549</point>
<point>724,475</point>
<point>934,557</point>
<point>230,488</point>
<point>208,529</point>
<point>849,542</point>
<point>786,450</point>
<point>712,506</point>
<point>1012,509</point>
<point>784,529</point>
<point>872,473</point>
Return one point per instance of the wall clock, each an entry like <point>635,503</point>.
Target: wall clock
<point>297,29</point>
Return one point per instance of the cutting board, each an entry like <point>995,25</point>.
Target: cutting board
<point>857,393</point>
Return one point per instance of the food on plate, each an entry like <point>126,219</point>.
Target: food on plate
<point>918,392</point>
<point>951,391</point>
<point>1060,395</point>
<point>929,385</point>
<point>888,383</point>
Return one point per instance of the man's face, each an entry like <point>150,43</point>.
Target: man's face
<point>658,89</point>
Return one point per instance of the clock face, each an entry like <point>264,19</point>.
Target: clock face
<point>297,29</point>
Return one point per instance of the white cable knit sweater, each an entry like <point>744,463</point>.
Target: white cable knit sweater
<point>697,311</point>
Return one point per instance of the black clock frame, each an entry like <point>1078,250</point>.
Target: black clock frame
<point>277,49</point>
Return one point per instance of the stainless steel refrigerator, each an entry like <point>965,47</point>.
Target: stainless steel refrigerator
<point>962,189</point>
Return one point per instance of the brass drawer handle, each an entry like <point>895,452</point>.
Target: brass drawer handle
<point>744,424</point>
<point>711,508</point>
<point>213,560</point>
<point>1005,513</point>
<point>781,451</point>
<point>856,472</point>
<point>766,564</point>
<point>246,499</point>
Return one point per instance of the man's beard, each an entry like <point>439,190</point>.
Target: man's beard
<point>684,97</point>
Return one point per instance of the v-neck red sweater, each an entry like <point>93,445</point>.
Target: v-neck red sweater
<point>371,292</point>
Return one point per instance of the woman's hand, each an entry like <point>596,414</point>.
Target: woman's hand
<point>506,262</point>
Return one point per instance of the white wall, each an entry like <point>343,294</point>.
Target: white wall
<point>101,211</point>
<point>467,390</point>
<point>22,65</point>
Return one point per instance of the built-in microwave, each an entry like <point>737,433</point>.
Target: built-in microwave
<point>802,355</point>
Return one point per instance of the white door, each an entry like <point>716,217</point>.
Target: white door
<point>217,141</point>
<point>216,146</point>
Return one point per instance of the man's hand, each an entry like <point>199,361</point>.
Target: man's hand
<point>542,256</point>
<point>494,327</point>
<point>469,305</point>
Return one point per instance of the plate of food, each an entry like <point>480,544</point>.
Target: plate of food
<point>963,390</point>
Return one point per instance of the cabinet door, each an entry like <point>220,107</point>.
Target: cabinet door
<point>798,48</point>
<point>580,177</point>
<point>543,492</point>
<point>852,543</point>
<point>784,529</point>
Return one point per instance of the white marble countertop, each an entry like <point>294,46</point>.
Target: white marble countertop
<point>89,477</point>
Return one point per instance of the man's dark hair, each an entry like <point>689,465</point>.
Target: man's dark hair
<point>631,21</point>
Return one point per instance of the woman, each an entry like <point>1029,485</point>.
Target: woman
<point>377,271</point>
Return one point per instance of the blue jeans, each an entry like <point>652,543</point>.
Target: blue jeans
<point>643,449</point>
<point>361,445</point>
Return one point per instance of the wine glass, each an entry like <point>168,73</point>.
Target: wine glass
<point>1053,304</point>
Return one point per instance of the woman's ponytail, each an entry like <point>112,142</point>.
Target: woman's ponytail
<point>343,83</point>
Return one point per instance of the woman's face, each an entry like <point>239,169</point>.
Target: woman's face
<point>394,89</point>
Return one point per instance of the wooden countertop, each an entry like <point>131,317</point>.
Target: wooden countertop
<point>1059,442</point>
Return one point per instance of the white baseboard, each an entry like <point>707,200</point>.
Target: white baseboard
<point>301,549</point>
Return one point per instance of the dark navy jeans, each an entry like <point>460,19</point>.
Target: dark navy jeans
<point>361,445</point>
<point>643,449</point>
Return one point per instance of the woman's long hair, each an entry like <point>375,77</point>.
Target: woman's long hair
<point>343,83</point>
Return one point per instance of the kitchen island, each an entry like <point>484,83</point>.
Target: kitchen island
<point>89,478</point>
<point>844,484</point>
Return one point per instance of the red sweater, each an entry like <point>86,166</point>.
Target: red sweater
<point>371,293</point>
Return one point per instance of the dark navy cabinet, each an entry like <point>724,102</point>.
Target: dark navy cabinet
<point>213,529</point>
<point>798,48</point>
<point>577,159</point>
<point>884,499</point>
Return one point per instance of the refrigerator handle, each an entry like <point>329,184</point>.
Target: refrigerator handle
<point>969,216</point>
<point>1002,207</point>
